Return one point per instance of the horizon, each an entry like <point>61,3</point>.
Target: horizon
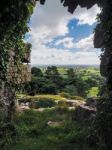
<point>65,65</point>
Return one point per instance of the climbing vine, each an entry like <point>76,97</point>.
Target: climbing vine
<point>104,107</point>
<point>14,17</point>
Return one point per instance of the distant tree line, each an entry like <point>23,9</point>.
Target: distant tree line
<point>52,82</point>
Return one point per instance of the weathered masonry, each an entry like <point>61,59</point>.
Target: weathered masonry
<point>16,74</point>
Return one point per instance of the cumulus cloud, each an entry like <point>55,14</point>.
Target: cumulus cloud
<point>56,17</point>
<point>83,44</point>
<point>54,56</point>
<point>87,16</point>
<point>50,21</point>
<point>86,54</point>
<point>67,42</point>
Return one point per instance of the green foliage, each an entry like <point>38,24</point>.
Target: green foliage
<point>36,72</point>
<point>50,89</point>
<point>93,92</point>
<point>104,122</point>
<point>71,89</point>
<point>62,104</point>
<point>53,80</point>
<point>7,134</point>
<point>65,95</point>
<point>14,18</point>
<point>43,103</point>
<point>77,98</point>
<point>12,30</point>
<point>35,133</point>
<point>23,98</point>
<point>71,76</point>
<point>53,76</point>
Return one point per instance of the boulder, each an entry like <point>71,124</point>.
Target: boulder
<point>74,103</point>
<point>91,101</point>
<point>55,123</point>
<point>84,113</point>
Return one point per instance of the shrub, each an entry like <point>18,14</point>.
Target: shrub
<point>71,89</point>
<point>103,121</point>
<point>62,104</point>
<point>77,98</point>
<point>43,103</point>
<point>65,95</point>
<point>93,91</point>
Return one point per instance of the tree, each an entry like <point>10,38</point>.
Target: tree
<point>71,76</point>
<point>36,72</point>
<point>81,87</point>
<point>71,89</point>
<point>53,75</point>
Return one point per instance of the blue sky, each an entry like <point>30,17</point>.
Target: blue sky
<point>59,37</point>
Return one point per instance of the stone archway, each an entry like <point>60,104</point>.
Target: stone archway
<point>103,40</point>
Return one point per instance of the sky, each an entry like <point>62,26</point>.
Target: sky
<point>61,38</point>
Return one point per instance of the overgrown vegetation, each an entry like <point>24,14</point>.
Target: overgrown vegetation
<point>69,82</point>
<point>51,129</point>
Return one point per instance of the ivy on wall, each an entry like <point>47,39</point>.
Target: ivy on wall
<point>14,16</point>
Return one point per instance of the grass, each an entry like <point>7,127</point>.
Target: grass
<point>35,134</point>
<point>85,71</point>
<point>38,97</point>
<point>93,92</point>
<point>48,101</point>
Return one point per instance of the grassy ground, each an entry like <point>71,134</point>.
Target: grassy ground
<point>42,96</point>
<point>35,134</point>
<point>33,131</point>
<point>85,71</point>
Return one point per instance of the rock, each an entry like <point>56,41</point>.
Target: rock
<point>74,103</point>
<point>92,101</point>
<point>55,123</point>
<point>84,113</point>
<point>22,106</point>
<point>104,64</point>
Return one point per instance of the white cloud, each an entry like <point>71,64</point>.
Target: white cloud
<point>56,17</point>
<point>84,44</point>
<point>86,54</point>
<point>54,56</point>
<point>87,16</point>
<point>67,42</point>
<point>51,20</point>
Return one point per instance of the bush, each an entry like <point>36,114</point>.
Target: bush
<point>103,122</point>
<point>43,103</point>
<point>62,104</point>
<point>77,98</point>
<point>93,92</point>
<point>71,89</point>
<point>65,95</point>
